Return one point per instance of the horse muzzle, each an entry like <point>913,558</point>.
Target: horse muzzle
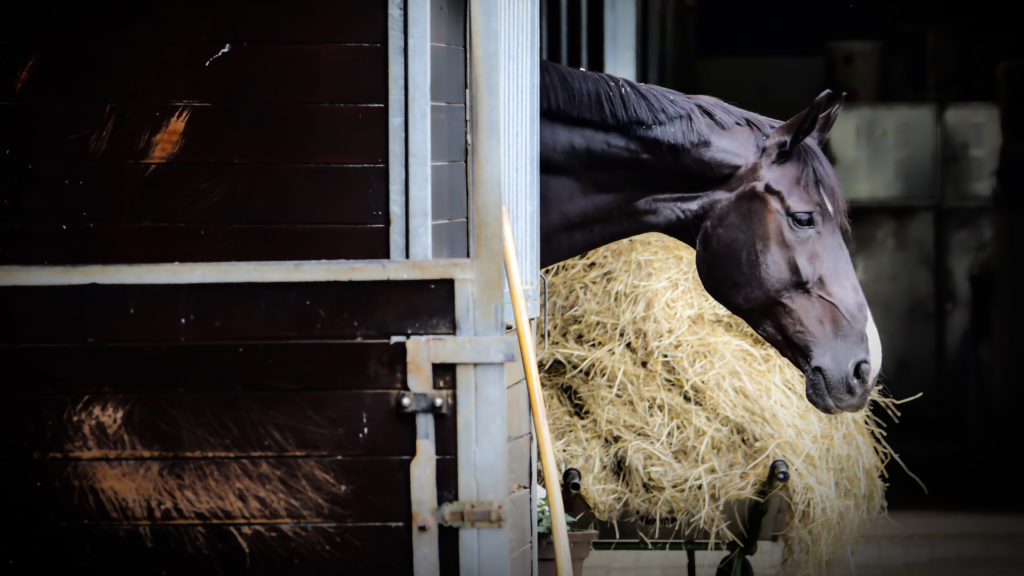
<point>834,389</point>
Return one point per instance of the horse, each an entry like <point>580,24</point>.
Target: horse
<point>754,196</point>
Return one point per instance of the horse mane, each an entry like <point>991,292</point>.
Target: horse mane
<point>667,117</point>
<point>641,110</point>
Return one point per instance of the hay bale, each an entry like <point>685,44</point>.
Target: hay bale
<point>671,406</point>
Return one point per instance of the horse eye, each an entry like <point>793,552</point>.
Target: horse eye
<point>802,219</point>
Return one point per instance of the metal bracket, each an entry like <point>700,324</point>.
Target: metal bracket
<point>472,514</point>
<point>433,402</point>
<point>463,349</point>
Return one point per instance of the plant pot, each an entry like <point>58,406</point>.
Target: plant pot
<point>579,548</point>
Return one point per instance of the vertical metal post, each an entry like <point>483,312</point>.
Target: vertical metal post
<point>396,129</point>
<point>488,547</point>
<point>620,38</point>
<point>423,469</point>
<point>654,25</point>
<point>418,111</point>
<point>543,29</point>
<point>563,26</point>
<point>520,175</point>
<point>583,35</point>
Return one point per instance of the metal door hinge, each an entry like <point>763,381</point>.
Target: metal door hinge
<point>472,514</point>
<point>434,402</point>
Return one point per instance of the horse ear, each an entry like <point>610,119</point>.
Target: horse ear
<point>788,135</point>
<point>827,119</point>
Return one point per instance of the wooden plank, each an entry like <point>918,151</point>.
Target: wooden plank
<point>210,550</point>
<point>213,425</point>
<point>311,73</point>
<point>211,368</point>
<point>212,491</point>
<point>225,312</point>
<point>150,243</point>
<point>100,192</point>
<point>232,21</point>
<point>273,133</point>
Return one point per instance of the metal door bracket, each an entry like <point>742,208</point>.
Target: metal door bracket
<point>472,514</point>
<point>433,402</point>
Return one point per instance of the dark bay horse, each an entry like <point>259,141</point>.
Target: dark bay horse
<point>755,197</point>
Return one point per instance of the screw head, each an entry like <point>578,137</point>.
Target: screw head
<point>438,402</point>
<point>405,401</point>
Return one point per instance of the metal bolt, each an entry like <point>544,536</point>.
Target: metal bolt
<point>438,402</point>
<point>405,401</point>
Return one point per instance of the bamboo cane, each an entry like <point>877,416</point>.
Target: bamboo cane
<point>563,560</point>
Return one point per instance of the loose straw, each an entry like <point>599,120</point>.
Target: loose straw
<point>540,419</point>
<point>673,409</point>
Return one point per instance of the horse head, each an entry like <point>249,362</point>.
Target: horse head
<point>772,251</point>
<point>756,198</point>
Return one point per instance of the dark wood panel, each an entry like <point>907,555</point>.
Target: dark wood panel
<point>274,133</point>
<point>101,192</point>
<point>232,21</point>
<point>225,312</point>
<point>317,73</point>
<point>210,425</point>
<point>142,243</point>
<point>209,550</point>
<point>215,368</point>
<point>213,491</point>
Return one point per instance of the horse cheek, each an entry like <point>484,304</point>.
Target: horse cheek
<point>722,276</point>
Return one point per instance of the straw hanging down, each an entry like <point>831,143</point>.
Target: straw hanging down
<point>672,407</point>
<point>563,559</point>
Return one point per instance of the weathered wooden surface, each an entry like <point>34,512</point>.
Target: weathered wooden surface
<point>215,490</point>
<point>216,516</point>
<point>209,428</point>
<point>255,549</point>
<point>212,312</point>
<point>262,429</point>
<point>195,132</point>
<point>235,21</point>
<point>362,424</point>
<point>97,193</point>
<point>147,243</point>
<point>198,72</point>
<point>212,368</point>
<point>157,133</point>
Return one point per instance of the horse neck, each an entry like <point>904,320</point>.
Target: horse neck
<point>597,187</point>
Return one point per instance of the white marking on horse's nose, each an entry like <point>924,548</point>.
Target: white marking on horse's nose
<point>874,347</point>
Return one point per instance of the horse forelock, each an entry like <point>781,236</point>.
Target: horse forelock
<point>816,173</point>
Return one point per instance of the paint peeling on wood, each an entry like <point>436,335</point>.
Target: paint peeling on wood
<point>99,140</point>
<point>106,427</point>
<point>194,492</point>
<point>224,50</point>
<point>25,72</point>
<point>177,491</point>
<point>98,422</point>
<point>168,141</point>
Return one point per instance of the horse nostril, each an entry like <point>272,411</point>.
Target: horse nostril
<point>861,372</point>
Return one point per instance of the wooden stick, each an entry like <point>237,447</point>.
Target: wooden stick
<point>563,559</point>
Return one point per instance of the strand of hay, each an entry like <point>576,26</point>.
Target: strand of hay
<point>670,406</point>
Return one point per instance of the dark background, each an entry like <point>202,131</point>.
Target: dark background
<point>938,265</point>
